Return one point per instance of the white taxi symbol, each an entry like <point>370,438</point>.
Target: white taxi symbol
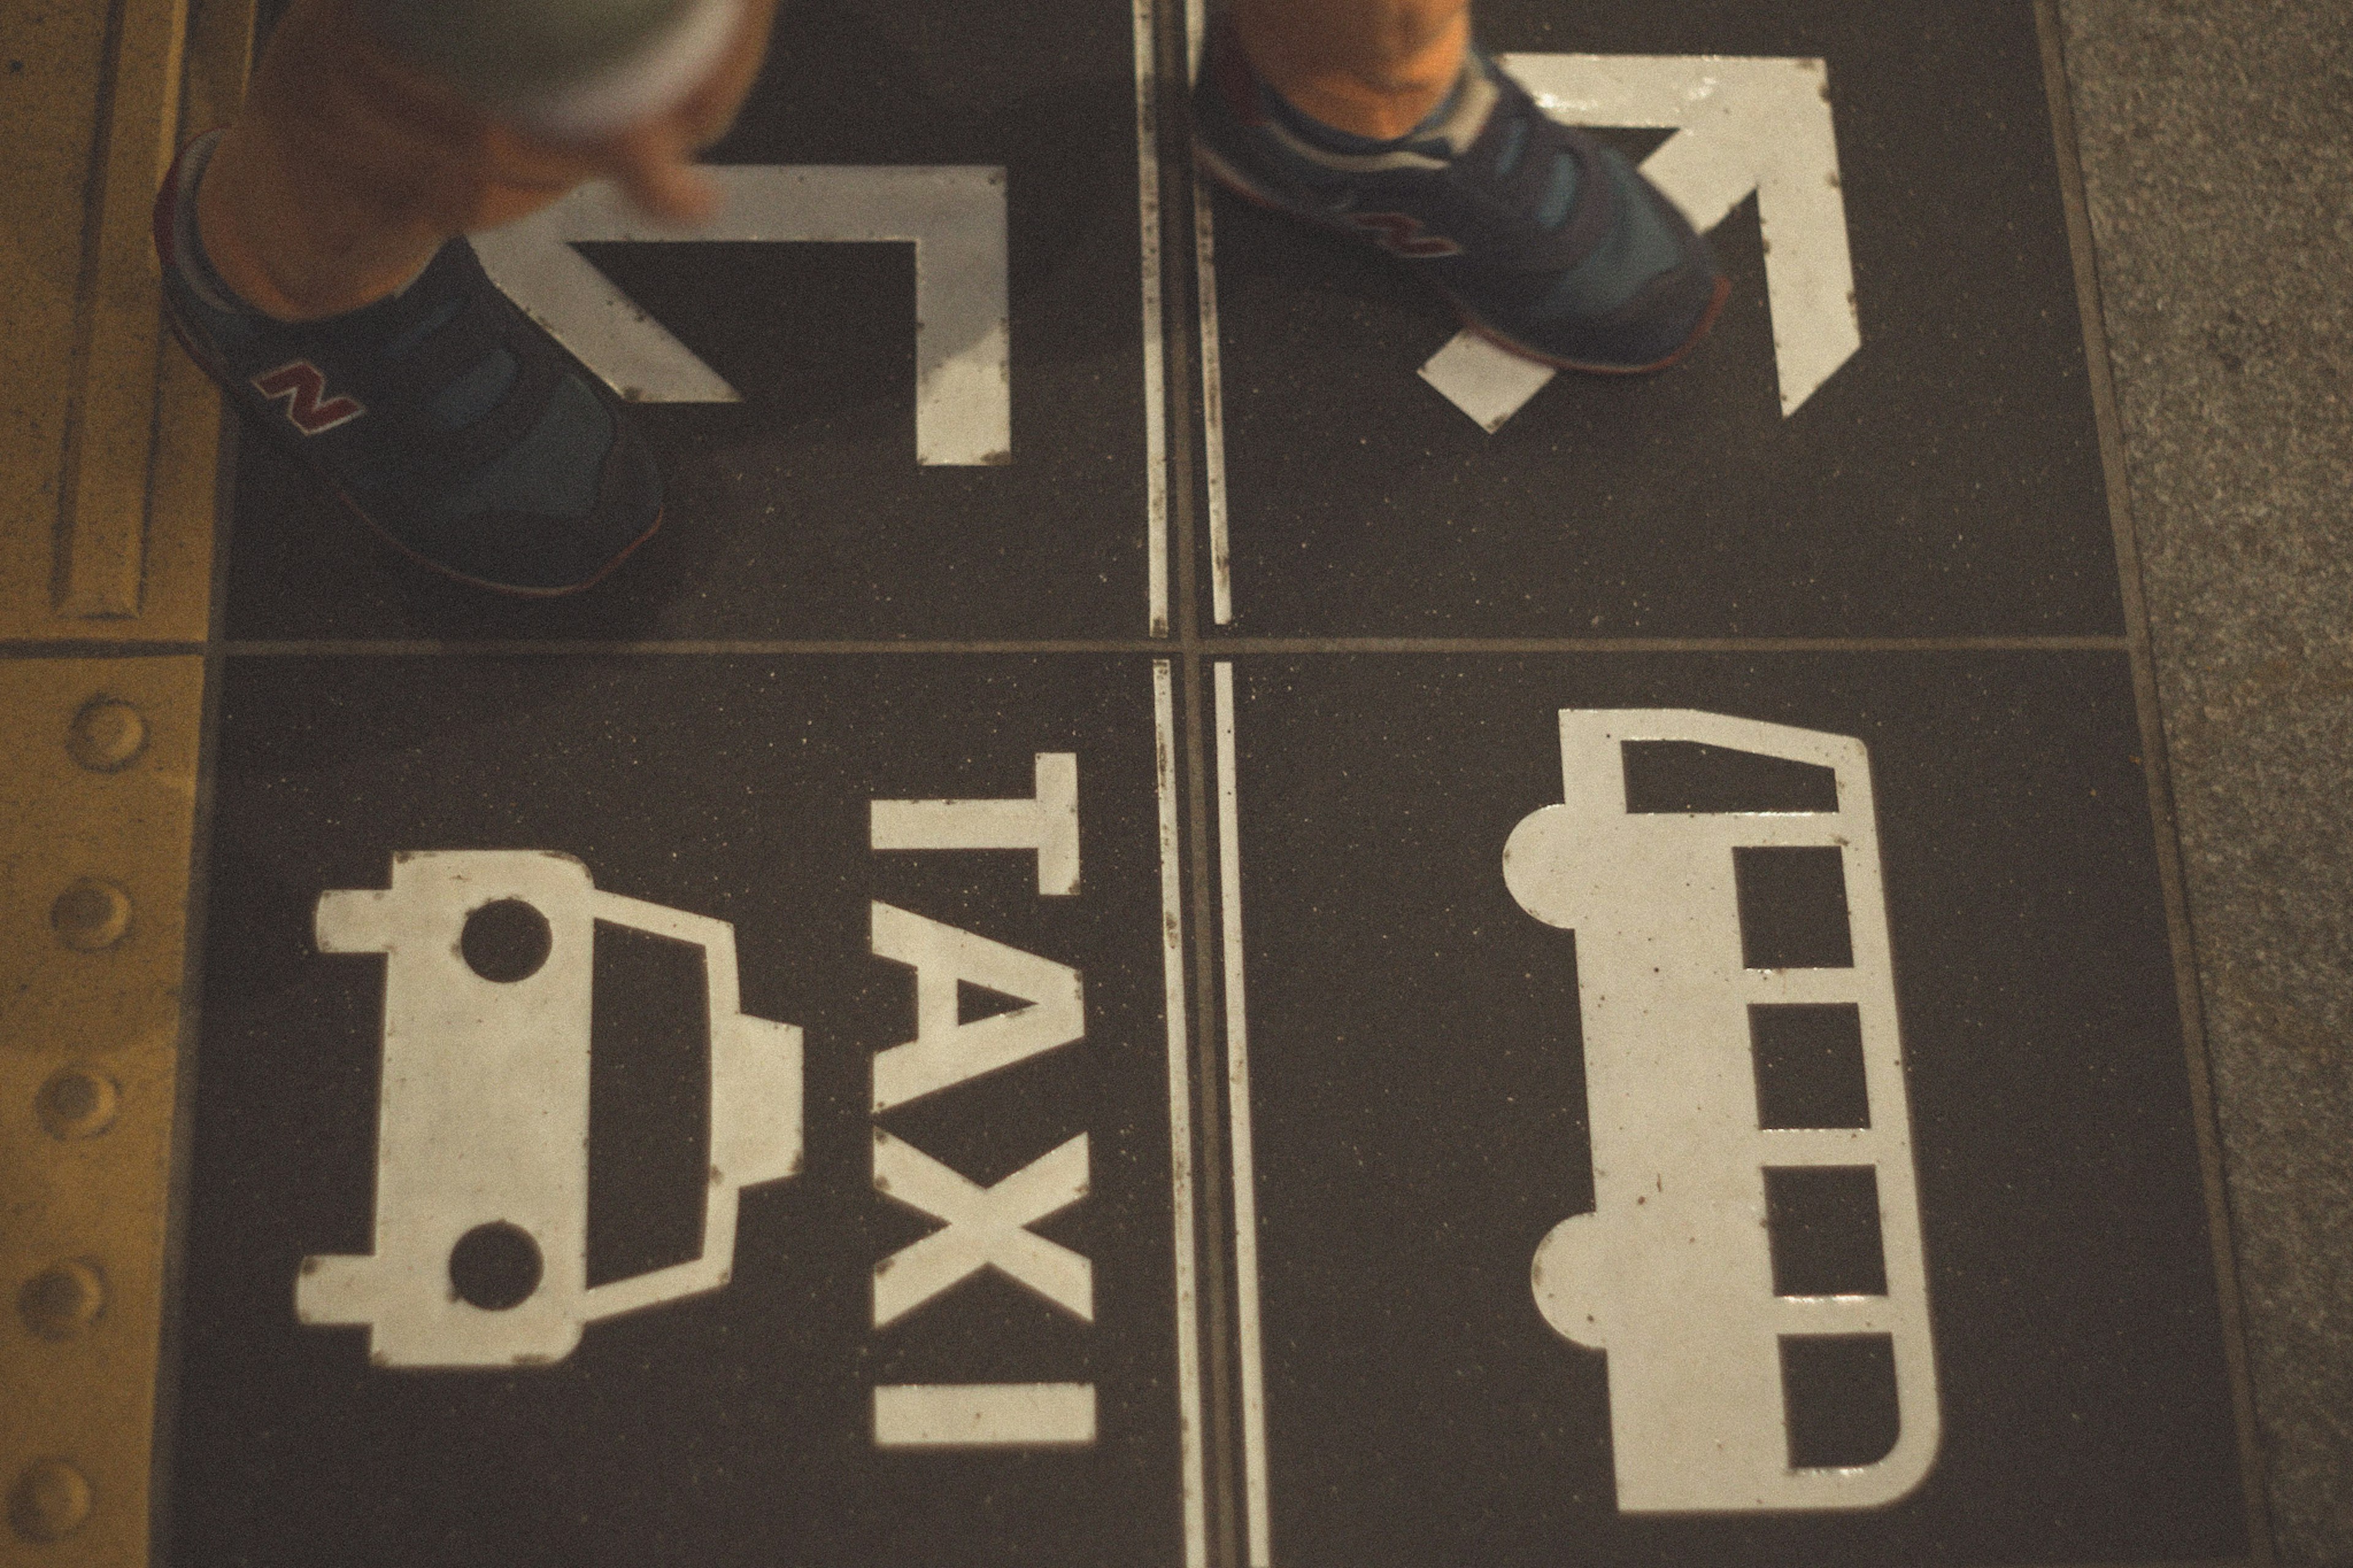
<point>482,1143</point>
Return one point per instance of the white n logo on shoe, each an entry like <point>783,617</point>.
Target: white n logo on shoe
<point>307,408</point>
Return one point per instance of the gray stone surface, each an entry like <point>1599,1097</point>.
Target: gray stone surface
<point>2217,139</point>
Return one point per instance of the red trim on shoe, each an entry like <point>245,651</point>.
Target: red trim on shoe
<point>1218,169</point>
<point>165,213</point>
<point>204,361</point>
<point>511,590</point>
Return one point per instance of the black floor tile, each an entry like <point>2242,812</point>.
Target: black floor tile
<point>734,1426</point>
<point>1947,481</point>
<point>801,511</point>
<point>1421,1064</point>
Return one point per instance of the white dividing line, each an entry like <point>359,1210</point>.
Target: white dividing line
<point>1237,1099</point>
<point>984,1416</point>
<point>1155,391</point>
<point>1213,384</point>
<point>1213,409</point>
<point>1180,1127</point>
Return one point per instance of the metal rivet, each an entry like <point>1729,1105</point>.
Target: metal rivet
<point>79,1103</point>
<point>50,1500</point>
<point>63,1299</point>
<point>107,735</point>
<point>90,915</point>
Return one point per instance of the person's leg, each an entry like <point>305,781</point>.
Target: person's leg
<point>312,261</point>
<point>347,168</point>
<point>1374,68</point>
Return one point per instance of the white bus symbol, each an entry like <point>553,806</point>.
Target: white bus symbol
<point>1682,1273</point>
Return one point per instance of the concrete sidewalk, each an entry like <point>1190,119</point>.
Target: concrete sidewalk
<point>2217,142</point>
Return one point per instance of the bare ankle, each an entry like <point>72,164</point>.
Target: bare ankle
<point>1375,71</point>
<point>309,288</point>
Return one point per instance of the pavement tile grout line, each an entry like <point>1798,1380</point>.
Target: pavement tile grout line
<point>1171,33</point>
<point>86,647</point>
<point>1213,647</point>
<point>179,1174</point>
<point>2155,768</point>
<point>1184,1170</point>
<point>1210,1068</point>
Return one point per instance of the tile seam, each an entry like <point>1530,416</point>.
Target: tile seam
<point>1221,647</point>
<point>179,1171</point>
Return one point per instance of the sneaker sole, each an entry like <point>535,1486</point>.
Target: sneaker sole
<point>1233,179</point>
<point>1502,340</point>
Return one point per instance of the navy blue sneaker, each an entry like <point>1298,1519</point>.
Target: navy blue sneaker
<point>1548,243</point>
<point>450,422</point>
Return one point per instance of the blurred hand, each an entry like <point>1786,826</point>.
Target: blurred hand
<point>348,167</point>
<point>653,162</point>
<point>387,137</point>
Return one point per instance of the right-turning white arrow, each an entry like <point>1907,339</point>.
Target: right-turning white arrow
<point>1742,125</point>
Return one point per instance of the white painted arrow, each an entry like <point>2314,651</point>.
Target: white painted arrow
<point>955,217</point>
<point>1742,125</point>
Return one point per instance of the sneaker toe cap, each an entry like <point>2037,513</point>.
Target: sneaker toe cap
<point>554,517</point>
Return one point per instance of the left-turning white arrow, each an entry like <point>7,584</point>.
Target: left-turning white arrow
<point>955,217</point>
<point>1742,125</point>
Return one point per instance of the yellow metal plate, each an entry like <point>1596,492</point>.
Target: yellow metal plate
<point>108,436</point>
<point>96,794</point>
<point>110,441</point>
